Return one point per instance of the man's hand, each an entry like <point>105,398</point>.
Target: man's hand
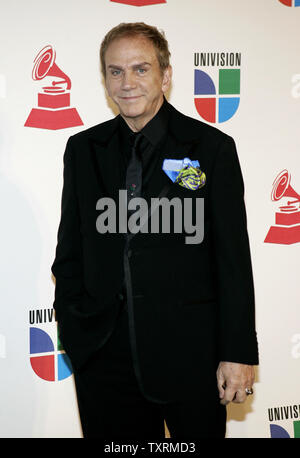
<point>233,379</point>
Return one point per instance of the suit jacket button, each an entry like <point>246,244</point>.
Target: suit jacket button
<point>120,296</point>
<point>129,253</point>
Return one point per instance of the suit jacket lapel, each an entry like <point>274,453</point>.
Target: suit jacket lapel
<point>180,143</point>
<point>159,184</point>
<point>108,161</point>
<point>110,167</point>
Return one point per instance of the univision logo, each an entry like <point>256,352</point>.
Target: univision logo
<point>288,414</point>
<point>290,2</point>
<point>217,91</point>
<point>47,356</point>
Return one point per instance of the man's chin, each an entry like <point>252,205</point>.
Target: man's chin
<point>131,113</point>
<point>131,109</point>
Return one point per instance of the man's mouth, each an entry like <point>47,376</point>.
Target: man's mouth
<point>130,98</point>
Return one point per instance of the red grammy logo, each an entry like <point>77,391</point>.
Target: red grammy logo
<point>287,220</point>
<point>53,110</point>
<point>139,2</point>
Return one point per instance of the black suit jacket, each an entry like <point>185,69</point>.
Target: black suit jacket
<point>189,305</point>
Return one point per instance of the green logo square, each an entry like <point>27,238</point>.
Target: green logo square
<point>296,429</point>
<point>229,81</point>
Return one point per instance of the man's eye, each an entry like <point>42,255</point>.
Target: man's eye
<point>141,70</point>
<point>116,72</point>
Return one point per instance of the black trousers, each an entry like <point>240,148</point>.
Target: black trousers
<point>111,405</point>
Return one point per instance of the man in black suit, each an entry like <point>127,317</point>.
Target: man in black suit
<point>156,328</point>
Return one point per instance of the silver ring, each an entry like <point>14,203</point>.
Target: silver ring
<point>249,391</point>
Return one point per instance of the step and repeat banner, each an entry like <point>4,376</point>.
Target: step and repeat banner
<point>236,66</point>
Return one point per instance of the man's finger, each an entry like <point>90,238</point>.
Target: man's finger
<point>240,396</point>
<point>229,395</point>
<point>221,388</point>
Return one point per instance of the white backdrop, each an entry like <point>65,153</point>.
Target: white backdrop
<point>266,130</point>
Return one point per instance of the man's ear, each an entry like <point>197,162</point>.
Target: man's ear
<point>167,78</point>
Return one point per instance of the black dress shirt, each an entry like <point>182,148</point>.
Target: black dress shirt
<point>153,135</point>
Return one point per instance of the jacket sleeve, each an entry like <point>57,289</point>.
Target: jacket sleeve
<point>67,266</point>
<point>237,335</point>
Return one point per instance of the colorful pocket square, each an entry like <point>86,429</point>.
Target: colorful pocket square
<point>185,172</point>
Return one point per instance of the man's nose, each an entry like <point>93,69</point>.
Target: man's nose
<point>128,81</point>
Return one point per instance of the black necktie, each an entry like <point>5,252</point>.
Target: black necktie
<point>133,185</point>
<point>134,171</point>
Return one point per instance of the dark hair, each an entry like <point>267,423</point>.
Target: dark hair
<point>132,29</point>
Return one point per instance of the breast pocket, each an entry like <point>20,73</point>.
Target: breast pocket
<point>181,191</point>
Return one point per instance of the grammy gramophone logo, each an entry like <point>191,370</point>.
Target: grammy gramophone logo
<point>54,110</point>
<point>139,2</point>
<point>286,230</point>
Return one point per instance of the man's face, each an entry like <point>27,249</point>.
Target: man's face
<point>134,80</point>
